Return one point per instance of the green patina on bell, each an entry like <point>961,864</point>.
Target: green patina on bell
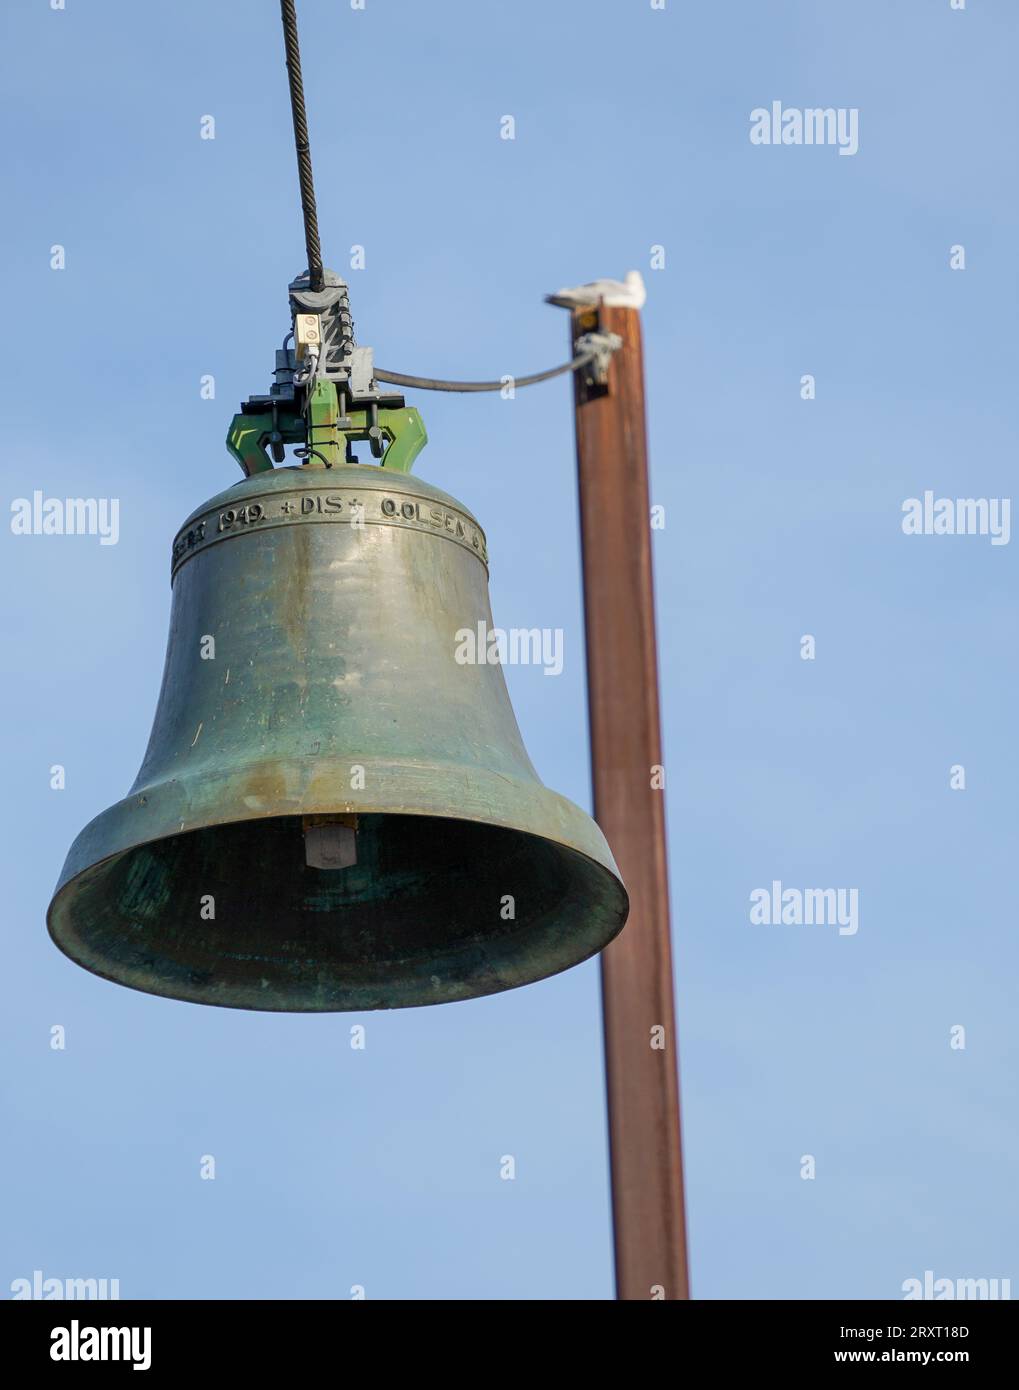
<point>333,812</point>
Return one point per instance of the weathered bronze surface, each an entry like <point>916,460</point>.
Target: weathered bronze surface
<point>333,598</point>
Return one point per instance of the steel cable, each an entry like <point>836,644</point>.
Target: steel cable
<point>315,269</point>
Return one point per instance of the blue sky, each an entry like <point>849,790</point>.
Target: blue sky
<point>380,1167</point>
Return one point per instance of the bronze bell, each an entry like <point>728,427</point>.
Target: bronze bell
<point>332,812</point>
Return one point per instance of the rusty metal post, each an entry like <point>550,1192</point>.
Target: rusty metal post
<point>622,680</point>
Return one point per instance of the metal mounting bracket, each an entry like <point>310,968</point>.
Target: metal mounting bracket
<point>603,346</point>
<point>396,437</point>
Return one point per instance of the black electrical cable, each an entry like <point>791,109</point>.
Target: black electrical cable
<point>315,269</point>
<point>428,383</point>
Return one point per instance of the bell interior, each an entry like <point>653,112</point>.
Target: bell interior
<point>434,909</point>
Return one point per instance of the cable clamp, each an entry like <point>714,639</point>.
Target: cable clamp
<point>601,347</point>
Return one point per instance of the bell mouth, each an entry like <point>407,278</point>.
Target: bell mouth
<point>433,910</point>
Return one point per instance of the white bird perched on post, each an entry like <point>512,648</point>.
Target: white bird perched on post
<point>615,294</point>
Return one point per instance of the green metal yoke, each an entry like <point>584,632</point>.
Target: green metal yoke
<point>398,436</point>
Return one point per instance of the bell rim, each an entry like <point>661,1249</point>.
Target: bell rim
<point>613,882</point>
